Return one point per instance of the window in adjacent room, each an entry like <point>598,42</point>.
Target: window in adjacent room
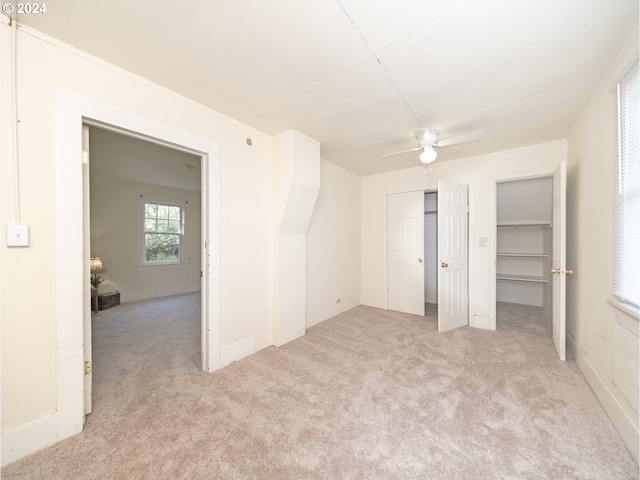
<point>626,288</point>
<point>163,232</point>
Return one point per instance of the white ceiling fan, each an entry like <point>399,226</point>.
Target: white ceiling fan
<point>428,142</point>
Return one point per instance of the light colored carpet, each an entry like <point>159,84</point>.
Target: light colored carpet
<point>369,394</point>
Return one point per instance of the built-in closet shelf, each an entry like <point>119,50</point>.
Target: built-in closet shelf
<point>525,223</point>
<point>522,278</point>
<point>525,255</point>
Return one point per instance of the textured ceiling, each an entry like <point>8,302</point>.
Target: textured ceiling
<point>360,76</point>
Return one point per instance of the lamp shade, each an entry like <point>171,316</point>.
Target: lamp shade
<point>428,155</point>
<point>96,265</point>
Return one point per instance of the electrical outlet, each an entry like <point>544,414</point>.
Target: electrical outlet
<point>17,235</point>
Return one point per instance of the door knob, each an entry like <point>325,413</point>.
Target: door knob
<point>420,260</point>
<point>445,265</point>
<point>560,271</point>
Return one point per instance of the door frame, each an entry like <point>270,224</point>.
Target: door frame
<point>72,111</point>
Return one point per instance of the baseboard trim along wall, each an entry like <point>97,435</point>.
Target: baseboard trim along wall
<point>26,439</point>
<point>622,423</point>
<point>237,351</point>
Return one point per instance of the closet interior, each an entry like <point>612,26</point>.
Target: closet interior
<point>524,236</point>
<point>431,251</point>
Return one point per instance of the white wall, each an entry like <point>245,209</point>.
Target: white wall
<point>333,246</point>
<point>481,174</point>
<point>28,275</point>
<point>115,233</point>
<point>602,339</point>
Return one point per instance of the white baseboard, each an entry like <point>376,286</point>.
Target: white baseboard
<point>237,351</point>
<point>622,423</point>
<point>26,439</point>
<point>129,296</point>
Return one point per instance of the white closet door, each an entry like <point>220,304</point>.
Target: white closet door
<point>559,268</point>
<point>405,252</point>
<point>453,309</point>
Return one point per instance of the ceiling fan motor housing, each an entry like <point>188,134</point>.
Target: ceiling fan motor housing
<point>427,137</point>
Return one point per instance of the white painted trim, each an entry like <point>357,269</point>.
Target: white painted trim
<point>237,351</point>
<point>31,437</point>
<point>622,423</point>
<point>71,111</point>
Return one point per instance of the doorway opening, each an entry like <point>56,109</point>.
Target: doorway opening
<point>143,221</point>
<point>531,265</point>
<point>72,287</point>
<point>523,242</point>
<point>531,248</point>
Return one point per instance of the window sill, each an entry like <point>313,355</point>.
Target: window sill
<point>626,315</point>
<point>160,264</point>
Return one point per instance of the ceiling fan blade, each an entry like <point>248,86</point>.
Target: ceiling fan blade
<point>472,137</point>
<point>402,151</point>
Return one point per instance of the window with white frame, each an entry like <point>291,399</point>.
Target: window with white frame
<point>626,287</point>
<point>163,232</point>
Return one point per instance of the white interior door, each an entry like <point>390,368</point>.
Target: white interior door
<point>86,300</point>
<point>559,267</point>
<point>453,271</point>
<point>405,252</point>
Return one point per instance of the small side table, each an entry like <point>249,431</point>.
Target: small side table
<point>108,300</point>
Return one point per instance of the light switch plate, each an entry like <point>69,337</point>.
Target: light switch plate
<point>17,235</point>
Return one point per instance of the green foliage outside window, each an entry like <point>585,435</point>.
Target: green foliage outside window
<point>163,227</point>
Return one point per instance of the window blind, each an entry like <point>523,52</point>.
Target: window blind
<point>626,286</point>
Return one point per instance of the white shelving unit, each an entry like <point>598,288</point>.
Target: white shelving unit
<point>523,254</point>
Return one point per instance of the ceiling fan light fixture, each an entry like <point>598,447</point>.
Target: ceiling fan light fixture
<point>428,155</point>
